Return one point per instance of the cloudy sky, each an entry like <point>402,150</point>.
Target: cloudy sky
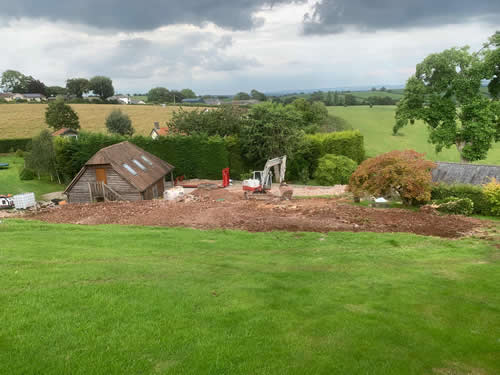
<point>222,46</point>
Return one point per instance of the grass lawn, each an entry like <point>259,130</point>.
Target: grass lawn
<point>26,120</point>
<point>11,184</point>
<point>140,300</point>
<point>376,125</point>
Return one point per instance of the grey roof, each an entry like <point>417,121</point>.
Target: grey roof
<point>34,95</point>
<point>456,173</point>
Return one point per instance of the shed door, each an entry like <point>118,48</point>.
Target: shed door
<point>100,174</point>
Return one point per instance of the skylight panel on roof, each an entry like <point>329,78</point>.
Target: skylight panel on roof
<point>129,168</point>
<point>139,164</point>
<point>146,160</point>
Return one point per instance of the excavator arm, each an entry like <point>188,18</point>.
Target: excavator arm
<point>281,162</point>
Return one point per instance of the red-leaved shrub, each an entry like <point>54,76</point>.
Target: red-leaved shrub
<point>406,173</point>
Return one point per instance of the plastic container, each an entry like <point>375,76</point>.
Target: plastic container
<point>174,193</point>
<point>24,201</point>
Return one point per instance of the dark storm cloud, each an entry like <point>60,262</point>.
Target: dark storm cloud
<point>137,15</point>
<point>334,16</point>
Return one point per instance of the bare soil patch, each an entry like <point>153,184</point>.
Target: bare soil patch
<point>215,209</point>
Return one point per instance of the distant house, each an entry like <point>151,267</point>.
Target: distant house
<point>65,133</point>
<point>134,101</point>
<point>7,96</point>
<point>120,172</point>
<point>122,99</point>
<point>457,173</point>
<point>193,101</point>
<point>159,131</point>
<point>33,97</point>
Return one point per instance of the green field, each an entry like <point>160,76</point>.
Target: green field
<point>11,184</point>
<point>376,125</point>
<point>139,300</point>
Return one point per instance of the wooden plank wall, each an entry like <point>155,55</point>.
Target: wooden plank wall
<point>79,193</point>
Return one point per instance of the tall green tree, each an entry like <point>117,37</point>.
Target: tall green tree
<point>257,95</point>
<point>159,95</point>
<point>223,121</point>
<point>445,93</point>
<point>242,96</point>
<point>42,156</point>
<point>35,86</point>
<point>102,87</point>
<point>56,90</point>
<point>270,131</point>
<point>14,81</point>
<point>60,115</point>
<point>119,123</point>
<point>78,86</point>
<point>188,94</point>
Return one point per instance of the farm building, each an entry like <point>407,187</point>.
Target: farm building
<point>119,172</point>
<point>159,131</point>
<point>65,133</point>
<point>457,173</point>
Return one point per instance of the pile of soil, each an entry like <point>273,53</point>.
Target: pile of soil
<point>223,209</point>
<point>220,195</point>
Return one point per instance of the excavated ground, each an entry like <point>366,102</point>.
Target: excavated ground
<point>225,209</point>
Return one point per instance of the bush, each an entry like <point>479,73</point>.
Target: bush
<point>26,174</point>
<point>457,206</point>
<point>118,122</point>
<point>492,194</point>
<point>406,173</point>
<point>19,153</point>
<point>334,170</point>
<point>346,143</point>
<point>11,145</point>
<point>473,192</point>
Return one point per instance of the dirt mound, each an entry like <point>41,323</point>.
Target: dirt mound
<point>223,209</point>
<point>220,195</point>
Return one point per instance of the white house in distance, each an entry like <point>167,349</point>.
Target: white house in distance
<point>125,99</point>
<point>9,97</point>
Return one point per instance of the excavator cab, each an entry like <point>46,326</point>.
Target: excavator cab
<point>265,181</point>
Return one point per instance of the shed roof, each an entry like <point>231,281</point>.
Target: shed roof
<point>140,168</point>
<point>457,173</point>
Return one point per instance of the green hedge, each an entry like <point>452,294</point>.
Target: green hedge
<point>195,156</point>
<point>14,144</point>
<point>236,163</point>
<point>346,143</point>
<point>473,192</point>
<point>192,156</point>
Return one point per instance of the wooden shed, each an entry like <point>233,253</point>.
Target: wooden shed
<point>119,172</point>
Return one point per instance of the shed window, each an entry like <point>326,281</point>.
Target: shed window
<point>129,168</point>
<point>139,164</point>
<point>146,160</point>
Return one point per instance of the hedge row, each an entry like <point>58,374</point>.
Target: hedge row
<point>346,143</point>
<point>196,156</point>
<point>14,144</point>
<point>193,156</point>
<point>473,192</point>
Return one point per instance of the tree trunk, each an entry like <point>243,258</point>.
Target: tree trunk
<point>460,146</point>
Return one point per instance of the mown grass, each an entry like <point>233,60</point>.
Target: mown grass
<point>10,183</point>
<point>376,125</point>
<point>139,300</point>
<point>27,120</point>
